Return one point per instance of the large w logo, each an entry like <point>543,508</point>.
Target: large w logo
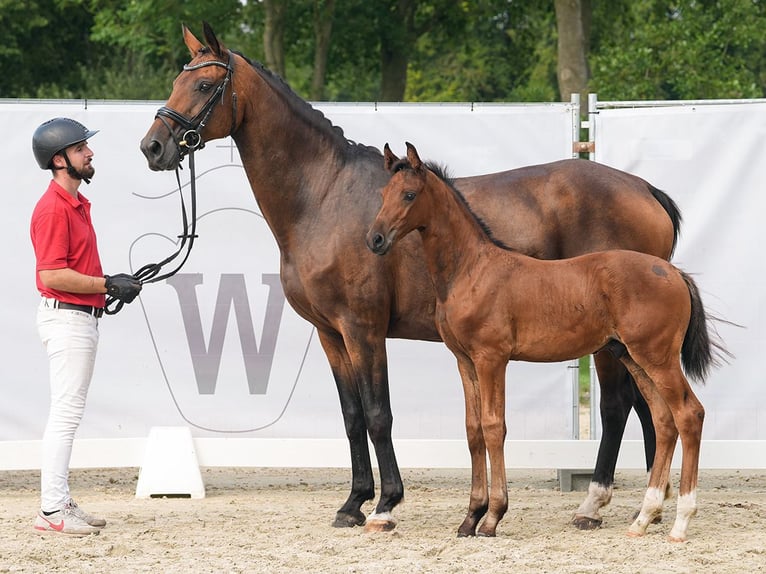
<point>206,359</point>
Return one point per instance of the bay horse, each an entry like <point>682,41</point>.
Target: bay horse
<point>318,192</point>
<point>495,304</point>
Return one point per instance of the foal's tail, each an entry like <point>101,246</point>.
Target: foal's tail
<point>700,351</point>
<point>671,207</point>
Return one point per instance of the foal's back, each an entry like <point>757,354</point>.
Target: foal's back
<point>566,309</point>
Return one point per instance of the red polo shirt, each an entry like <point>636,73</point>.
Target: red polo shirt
<point>63,236</point>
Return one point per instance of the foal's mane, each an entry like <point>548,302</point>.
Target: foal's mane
<point>442,172</point>
<point>303,109</point>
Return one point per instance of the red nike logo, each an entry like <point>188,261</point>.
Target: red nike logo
<point>57,527</point>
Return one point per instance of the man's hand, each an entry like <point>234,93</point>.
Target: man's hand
<point>122,286</point>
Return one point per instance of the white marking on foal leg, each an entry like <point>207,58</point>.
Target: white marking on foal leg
<point>687,507</point>
<point>651,507</point>
<point>598,497</point>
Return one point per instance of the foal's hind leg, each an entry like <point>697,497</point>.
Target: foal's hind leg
<point>666,434</point>
<point>689,415</point>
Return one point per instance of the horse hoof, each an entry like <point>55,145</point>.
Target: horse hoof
<point>384,522</point>
<point>485,534</point>
<point>343,520</point>
<point>634,534</point>
<point>586,522</point>
<point>676,539</point>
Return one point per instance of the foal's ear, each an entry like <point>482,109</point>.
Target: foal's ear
<point>413,157</point>
<point>215,46</point>
<point>389,159</point>
<point>191,41</point>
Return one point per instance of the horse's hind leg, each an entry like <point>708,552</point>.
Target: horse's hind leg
<point>616,399</point>
<point>479,500</point>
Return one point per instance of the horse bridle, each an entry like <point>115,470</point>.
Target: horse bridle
<point>192,137</point>
<point>188,144</point>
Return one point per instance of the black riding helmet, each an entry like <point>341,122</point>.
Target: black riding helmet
<point>56,135</point>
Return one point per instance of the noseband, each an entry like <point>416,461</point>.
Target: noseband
<point>192,137</point>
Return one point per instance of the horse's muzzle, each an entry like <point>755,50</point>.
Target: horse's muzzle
<point>377,243</point>
<point>160,156</point>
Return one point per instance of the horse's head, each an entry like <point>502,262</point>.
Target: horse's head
<point>202,105</point>
<point>401,211</point>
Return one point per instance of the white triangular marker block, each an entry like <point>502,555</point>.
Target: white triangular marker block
<point>170,466</point>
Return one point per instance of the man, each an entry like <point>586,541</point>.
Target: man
<point>72,285</point>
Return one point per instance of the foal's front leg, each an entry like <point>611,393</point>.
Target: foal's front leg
<point>479,500</point>
<point>492,388</point>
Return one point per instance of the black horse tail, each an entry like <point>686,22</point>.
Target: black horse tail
<point>671,207</point>
<point>700,351</point>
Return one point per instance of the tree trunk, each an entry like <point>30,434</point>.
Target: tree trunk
<point>273,36</point>
<point>397,33</point>
<point>323,17</point>
<point>573,24</point>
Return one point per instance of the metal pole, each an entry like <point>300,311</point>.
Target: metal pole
<point>592,112</point>
<point>574,369</point>
<point>575,100</point>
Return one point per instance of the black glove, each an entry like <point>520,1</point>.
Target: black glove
<point>122,286</point>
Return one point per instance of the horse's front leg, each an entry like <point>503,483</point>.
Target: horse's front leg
<point>479,500</point>
<point>362,481</point>
<point>491,374</point>
<point>368,357</point>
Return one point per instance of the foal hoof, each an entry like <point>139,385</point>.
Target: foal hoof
<point>384,522</point>
<point>586,522</point>
<point>656,520</point>
<point>345,520</point>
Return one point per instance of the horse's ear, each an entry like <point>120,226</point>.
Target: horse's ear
<point>413,157</point>
<point>191,42</point>
<point>215,46</point>
<point>389,159</point>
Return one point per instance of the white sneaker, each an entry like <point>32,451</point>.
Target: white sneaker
<point>64,522</point>
<point>82,515</point>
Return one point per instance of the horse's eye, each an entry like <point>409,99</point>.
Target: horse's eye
<point>409,196</point>
<point>205,87</point>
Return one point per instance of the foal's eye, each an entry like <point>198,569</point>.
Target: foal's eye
<point>409,196</point>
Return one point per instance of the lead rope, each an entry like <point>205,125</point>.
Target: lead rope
<point>150,273</point>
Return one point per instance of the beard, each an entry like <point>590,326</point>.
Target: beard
<point>85,173</point>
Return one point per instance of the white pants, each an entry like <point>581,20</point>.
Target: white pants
<point>70,338</point>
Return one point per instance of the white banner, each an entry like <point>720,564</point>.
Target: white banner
<point>711,158</point>
<point>216,347</point>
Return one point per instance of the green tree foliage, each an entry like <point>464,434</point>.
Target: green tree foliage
<point>496,51</point>
<point>456,50</point>
<point>40,37</point>
<point>689,49</point>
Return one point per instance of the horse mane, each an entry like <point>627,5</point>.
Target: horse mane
<point>304,109</point>
<point>442,172</point>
